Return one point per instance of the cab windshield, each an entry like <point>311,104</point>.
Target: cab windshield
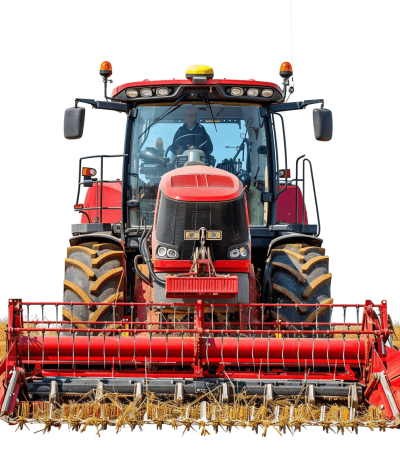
<point>220,135</point>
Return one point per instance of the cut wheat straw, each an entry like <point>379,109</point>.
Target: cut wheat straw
<point>246,411</point>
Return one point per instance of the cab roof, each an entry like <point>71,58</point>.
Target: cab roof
<point>216,89</point>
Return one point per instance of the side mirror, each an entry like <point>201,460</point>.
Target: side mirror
<point>74,120</point>
<point>323,124</point>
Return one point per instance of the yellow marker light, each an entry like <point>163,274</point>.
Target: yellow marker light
<point>192,235</point>
<point>286,70</point>
<point>106,69</point>
<point>214,235</point>
<point>199,73</point>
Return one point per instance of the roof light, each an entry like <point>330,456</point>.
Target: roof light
<point>252,92</point>
<point>286,70</point>
<point>162,92</point>
<point>267,92</point>
<point>236,91</point>
<point>89,172</point>
<point>199,73</point>
<point>146,92</point>
<point>132,93</point>
<point>106,69</point>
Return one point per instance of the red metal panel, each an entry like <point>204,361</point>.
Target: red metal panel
<point>111,198</point>
<point>202,286</point>
<point>286,206</point>
<point>150,83</point>
<point>183,183</point>
<point>221,266</point>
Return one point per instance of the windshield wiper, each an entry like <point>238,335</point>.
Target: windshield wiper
<point>165,113</point>
<point>204,97</point>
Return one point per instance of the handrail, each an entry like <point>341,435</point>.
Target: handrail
<point>101,181</point>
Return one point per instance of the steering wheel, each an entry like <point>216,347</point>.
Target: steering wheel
<point>192,135</point>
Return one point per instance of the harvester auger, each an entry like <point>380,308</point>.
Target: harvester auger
<point>196,292</point>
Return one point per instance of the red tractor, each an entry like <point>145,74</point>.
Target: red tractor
<point>198,273</point>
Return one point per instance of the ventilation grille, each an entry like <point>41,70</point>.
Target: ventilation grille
<point>201,181</point>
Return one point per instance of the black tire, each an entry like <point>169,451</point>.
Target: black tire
<point>299,273</point>
<point>94,272</point>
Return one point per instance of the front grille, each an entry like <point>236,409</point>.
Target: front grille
<point>174,217</point>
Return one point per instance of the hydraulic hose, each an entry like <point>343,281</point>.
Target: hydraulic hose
<point>140,274</point>
<point>145,254</point>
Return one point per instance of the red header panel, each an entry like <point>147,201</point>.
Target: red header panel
<point>202,286</point>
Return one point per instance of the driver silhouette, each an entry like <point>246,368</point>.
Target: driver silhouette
<point>192,135</point>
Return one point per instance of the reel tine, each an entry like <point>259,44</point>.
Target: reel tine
<point>182,350</point>
<point>298,352</point>
<point>131,316</point>
<point>212,316</point>
<point>166,346</point>
<point>119,349</point>
<point>208,361</point>
<point>58,350</point>
<point>89,349</point>
<point>252,352</point>
<point>237,351</point>
<point>226,317</point>
<point>327,351</point>
<point>104,348</point>
<point>73,349</point>
<point>262,319</point>
<point>150,346</point>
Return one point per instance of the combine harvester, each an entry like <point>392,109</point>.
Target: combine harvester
<point>196,292</point>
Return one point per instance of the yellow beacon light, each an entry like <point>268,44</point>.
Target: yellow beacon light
<point>199,73</point>
<point>106,69</point>
<point>286,70</point>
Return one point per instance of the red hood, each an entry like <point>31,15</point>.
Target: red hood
<point>200,183</point>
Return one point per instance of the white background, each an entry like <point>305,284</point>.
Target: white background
<point>344,52</point>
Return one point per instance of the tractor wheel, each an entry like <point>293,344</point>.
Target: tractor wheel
<point>94,272</point>
<point>299,274</point>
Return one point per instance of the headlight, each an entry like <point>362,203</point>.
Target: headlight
<point>132,93</point>
<point>146,92</point>
<point>267,92</point>
<point>252,92</point>
<point>239,252</point>
<point>236,91</point>
<point>243,252</point>
<point>162,92</point>
<point>171,253</point>
<point>161,251</point>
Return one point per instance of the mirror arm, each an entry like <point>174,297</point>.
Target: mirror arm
<point>305,103</point>
<point>109,105</point>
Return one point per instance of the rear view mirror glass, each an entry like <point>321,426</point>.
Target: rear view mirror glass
<point>74,120</point>
<point>323,124</point>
